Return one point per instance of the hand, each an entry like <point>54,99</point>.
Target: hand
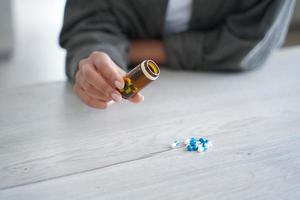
<point>97,79</point>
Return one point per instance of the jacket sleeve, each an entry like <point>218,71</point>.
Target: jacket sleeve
<point>242,42</point>
<point>91,26</point>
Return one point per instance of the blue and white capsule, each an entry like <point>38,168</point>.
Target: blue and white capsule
<point>189,148</point>
<point>201,148</point>
<point>209,144</point>
<point>187,141</point>
<point>175,144</point>
<point>203,140</point>
<point>193,141</point>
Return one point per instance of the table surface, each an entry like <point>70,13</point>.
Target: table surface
<point>54,147</point>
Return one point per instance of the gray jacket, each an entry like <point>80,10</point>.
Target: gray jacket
<point>226,35</point>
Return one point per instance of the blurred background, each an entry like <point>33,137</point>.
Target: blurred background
<point>29,50</point>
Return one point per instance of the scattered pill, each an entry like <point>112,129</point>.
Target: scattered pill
<point>187,141</point>
<point>189,148</point>
<point>193,141</point>
<point>175,144</point>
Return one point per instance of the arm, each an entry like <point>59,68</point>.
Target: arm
<point>152,49</point>
<point>242,42</point>
<point>96,49</point>
<point>88,27</point>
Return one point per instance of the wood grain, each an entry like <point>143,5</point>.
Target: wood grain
<point>54,147</point>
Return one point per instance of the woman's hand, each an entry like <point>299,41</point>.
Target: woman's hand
<point>97,79</point>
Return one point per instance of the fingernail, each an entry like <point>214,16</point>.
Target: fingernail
<point>119,85</point>
<point>116,97</point>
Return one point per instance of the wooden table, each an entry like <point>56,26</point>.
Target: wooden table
<point>54,147</point>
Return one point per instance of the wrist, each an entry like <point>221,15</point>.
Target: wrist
<point>140,50</point>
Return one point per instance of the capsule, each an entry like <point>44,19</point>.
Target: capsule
<point>139,77</point>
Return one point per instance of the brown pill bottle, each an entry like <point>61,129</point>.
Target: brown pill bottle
<point>139,77</point>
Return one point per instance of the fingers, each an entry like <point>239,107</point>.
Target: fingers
<point>89,100</point>
<point>89,74</point>
<point>120,71</point>
<point>108,90</point>
<point>92,91</point>
<point>108,69</point>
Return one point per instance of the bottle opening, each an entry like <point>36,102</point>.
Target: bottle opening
<point>153,67</point>
<point>150,69</point>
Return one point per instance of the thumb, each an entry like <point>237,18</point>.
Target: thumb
<point>137,98</point>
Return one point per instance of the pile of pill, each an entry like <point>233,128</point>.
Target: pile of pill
<point>129,87</point>
<point>193,144</point>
